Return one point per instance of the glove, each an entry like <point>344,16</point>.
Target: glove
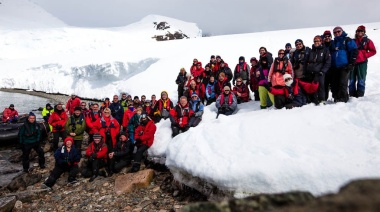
<point>291,97</point>
<point>268,86</point>
<point>58,127</point>
<point>93,156</point>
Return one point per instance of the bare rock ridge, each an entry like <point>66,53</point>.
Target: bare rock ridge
<point>168,36</point>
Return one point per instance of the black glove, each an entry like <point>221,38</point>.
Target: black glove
<point>58,127</point>
<point>291,97</point>
<point>282,72</point>
<point>268,86</point>
<point>93,156</point>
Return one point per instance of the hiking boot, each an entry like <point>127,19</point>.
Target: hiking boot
<point>93,178</point>
<point>103,173</point>
<point>72,180</point>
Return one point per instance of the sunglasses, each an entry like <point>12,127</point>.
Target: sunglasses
<point>339,31</point>
<point>298,44</point>
<point>327,36</point>
<point>226,90</point>
<point>317,41</point>
<point>238,81</point>
<point>288,79</point>
<point>281,53</point>
<point>106,112</point>
<point>359,30</point>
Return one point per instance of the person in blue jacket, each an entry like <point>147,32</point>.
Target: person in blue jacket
<point>343,56</point>
<point>195,105</point>
<point>117,111</point>
<point>210,91</point>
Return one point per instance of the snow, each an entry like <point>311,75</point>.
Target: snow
<point>313,148</point>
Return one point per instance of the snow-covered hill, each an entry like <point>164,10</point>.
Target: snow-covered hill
<point>309,148</point>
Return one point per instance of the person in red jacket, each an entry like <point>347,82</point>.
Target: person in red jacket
<point>92,120</point>
<point>85,111</point>
<point>96,153</point>
<point>144,136</point>
<point>58,120</point>
<point>366,49</point>
<point>241,91</point>
<point>109,129</point>
<point>180,116</point>
<point>73,102</point>
<point>194,65</point>
<point>198,71</point>
<point>10,115</point>
<point>162,107</point>
<point>128,115</point>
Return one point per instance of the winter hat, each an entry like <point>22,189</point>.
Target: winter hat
<point>164,92</point>
<point>298,41</point>
<point>59,103</point>
<point>194,94</point>
<point>337,28</point>
<point>32,114</point>
<point>217,56</point>
<point>11,105</point>
<point>207,66</point>
<point>253,59</point>
<point>241,58</point>
<point>288,44</point>
<point>289,82</point>
<point>263,48</point>
<point>107,99</point>
<point>68,139</point>
<point>212,56</point>
<point>48,105</point>
<point>327,32</point>
<point>136,97</point>
<point>143,116</point>
<point>129,96</point>
<point>221,61</point>
<point>97,135</point>
<point>226,88</point>
<point>77,108</point>
<point>361,27</point>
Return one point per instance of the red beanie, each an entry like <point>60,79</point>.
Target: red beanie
<point>361,27</point>
<point>327,32</point>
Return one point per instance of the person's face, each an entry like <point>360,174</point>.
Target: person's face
<point>183,102</point>
<point>253,62</point>
<point>107,114</point>
<point>48,107</point>
<point>281,54</point>
<point>95,108</point>
<point>338,33</point>
<point>299,45</point>
<point>212,79</point>
<point>153,97</point>
<point>199,66</point>
<point>97,140</point>
<point>115,98</point>
<point>288,48</point>
<point>262,51</point>
<point>129,97</point>
<point>123,138</point>
<point>77,112</point>
<point>136,100</point>
<point>73,96</point>
<point>241,61</point>
<point>69,143</point>
<point>195,61</point>
<point>182,71</point>
<point>227,91</point>
<point>143,98</point>
<point>360,33</point>
<point>326,38</point>
<point>59,107</point>
<point>218,60</point>
<point>212,59</point>
<point>124,96</point>
<point>164,96</point>
<point>317,42</point>
<point>207,68</point>
<point>221,78</point>
<point>239,81</point>
<point>222,65</point>
<point>83,105</point>
<point>31,119</point>
<point>147,104</point>
<point>138,112</point>
<point>107,100</point>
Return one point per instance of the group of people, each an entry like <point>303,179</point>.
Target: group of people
<point>116,128</point>
<point>297,76</point>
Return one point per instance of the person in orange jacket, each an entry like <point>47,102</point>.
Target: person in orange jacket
<point>58,120</point>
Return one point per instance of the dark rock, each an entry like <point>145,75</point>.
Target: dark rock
<point>23,181</point>
<point>7,203</point>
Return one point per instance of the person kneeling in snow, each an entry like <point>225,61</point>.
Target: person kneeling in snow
<point>226,102</point>
<point>144,135</point>
<point>180,116</point>
<point>197,107</point>
<point>96,153</point>
<point>66,160</point>
<point>120,157</point>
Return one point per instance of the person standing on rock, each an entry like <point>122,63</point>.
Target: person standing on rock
<point>144,135</point>
<point>10,115</point>
<point>75,127</point>
<point>96,153</point>
<point>73,102</point>
<point>58,120</point>
<point>29,137</point>
<point>66,160</point>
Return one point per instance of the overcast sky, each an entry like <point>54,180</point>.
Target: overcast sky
<point>217,17</point>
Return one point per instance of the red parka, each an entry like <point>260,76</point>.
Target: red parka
<point>58,118</point>
<point>146,133</point>
<point>71,104</point>
<point>365,49</point>
<point>198,71</point>
<point>111,124</point>
<point>101,151</point>
<point>127,116</point>
<point>243,90</point>
<point>9,114</point>
<point>181,114</point>
<point>92,121</point>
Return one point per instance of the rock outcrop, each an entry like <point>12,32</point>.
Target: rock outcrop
<point>129,182</point>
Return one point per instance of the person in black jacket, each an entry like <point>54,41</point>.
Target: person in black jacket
<point>120,157</point>
<point>66,160</point>
<point>180,81</point>
<point>318,63</point>
<point>117,110</point>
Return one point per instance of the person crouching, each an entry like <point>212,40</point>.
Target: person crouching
<point>120,157</point>
<point>66,160</point>
<point>226,102</point>
<point>96,153</point>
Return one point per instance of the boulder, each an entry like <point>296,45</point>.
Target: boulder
<point>129,182</point>
<point>7,203</point>
<point>23,181</point>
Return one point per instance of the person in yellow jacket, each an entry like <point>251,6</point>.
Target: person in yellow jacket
<point>46,112</point>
